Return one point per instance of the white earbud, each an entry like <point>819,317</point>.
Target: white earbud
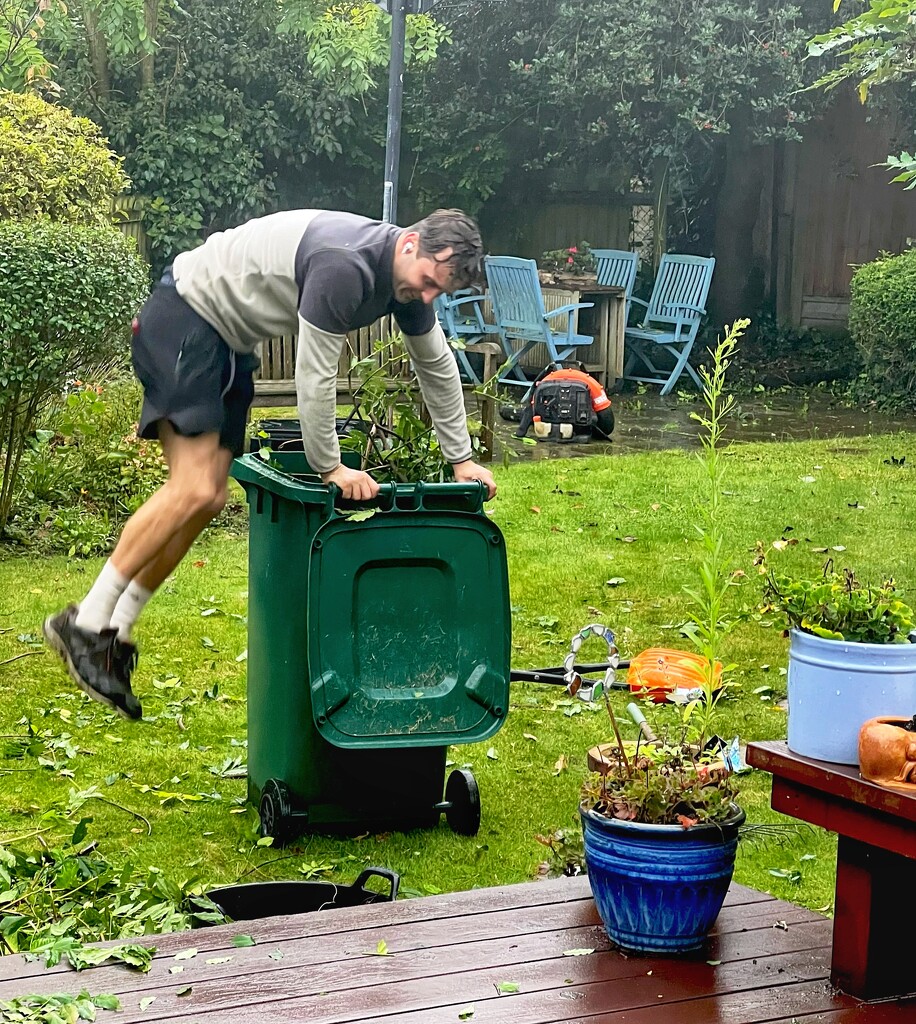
<point>408,247</point>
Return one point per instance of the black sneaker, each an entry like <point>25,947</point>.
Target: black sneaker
<point>125,658</point>
<point>95,661</point>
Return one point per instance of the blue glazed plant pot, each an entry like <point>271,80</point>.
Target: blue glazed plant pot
<point>659,888</point>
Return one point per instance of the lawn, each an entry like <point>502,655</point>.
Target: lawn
<point>166,794</point>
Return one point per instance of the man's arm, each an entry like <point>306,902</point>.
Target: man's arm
<point>333,287</point>
<point>317,358</point>
<point>437,373</point>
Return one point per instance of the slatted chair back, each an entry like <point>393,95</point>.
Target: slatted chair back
<point>515,292</point>
<point>680,291</point>
<point>617,267</point>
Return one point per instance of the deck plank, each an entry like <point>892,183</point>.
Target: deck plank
<point>431,908</point>
<point>616,982</point>
<point>767,961</point>
<point>736,937</point>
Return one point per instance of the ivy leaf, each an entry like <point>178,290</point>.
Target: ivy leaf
<point>240,941</point>
<point>186,954</point>
<point>147,1001</point>
<point>577,952</point>
<point>505,988</point>
<point>466,1013</point>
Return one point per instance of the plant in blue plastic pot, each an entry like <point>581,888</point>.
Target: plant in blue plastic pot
<point>661,831</point>
<point>660,822</point>
<point>850,657</point>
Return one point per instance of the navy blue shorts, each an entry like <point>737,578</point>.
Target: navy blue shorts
<point>190,376</point>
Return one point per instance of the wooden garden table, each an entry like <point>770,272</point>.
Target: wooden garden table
<point>605,359</point>
<point>874,950</point>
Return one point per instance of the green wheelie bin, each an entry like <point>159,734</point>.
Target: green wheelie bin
<point>378,635</point>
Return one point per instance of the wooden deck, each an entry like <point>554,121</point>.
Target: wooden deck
<point>767,961</point>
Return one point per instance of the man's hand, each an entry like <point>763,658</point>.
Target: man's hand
<point>467,471</point>
<point>353,483</point>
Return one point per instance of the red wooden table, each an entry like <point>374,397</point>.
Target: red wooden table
<point>874,950</point>
<point>449,958</point>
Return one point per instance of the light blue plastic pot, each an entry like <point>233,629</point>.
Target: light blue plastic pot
<point>835,687</point>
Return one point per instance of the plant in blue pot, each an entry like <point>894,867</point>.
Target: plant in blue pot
<point>851,656</point>
<point>659,819</point>
<point>660,827</point>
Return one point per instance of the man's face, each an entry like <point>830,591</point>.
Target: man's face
<point>418,276</point>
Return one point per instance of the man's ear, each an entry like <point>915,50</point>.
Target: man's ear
<point>411,242</point>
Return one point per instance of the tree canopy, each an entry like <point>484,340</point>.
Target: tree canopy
<point>604,89</point>
<point>223,110</point>
<point>226,110</point>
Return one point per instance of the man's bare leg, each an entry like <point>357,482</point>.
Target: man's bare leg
<point>144,584</point>
<point>160,532</point>
<point>152,543</point>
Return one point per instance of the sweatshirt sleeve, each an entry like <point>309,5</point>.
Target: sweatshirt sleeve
<point>317,359</point>
<point>437,372</point>
<point>335,284</point>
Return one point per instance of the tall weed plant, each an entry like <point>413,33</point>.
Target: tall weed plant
<point>709,620</point>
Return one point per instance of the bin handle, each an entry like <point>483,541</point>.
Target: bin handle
<point>385,491</point>
<point>389,493</point>
<point>390,876</point>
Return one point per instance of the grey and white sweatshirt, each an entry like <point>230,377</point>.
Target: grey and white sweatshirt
<point>319,274</point>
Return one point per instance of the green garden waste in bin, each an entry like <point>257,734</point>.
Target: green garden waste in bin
<point>373,644</point>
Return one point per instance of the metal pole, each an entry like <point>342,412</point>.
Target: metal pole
<point>395,100</point>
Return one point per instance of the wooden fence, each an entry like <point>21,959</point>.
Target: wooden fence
<point>275,384</point>
<point>127,215</point>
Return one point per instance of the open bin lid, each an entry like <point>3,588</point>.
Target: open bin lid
<point>409,629</point>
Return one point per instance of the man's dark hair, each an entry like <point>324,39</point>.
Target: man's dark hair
<point>455,230</point>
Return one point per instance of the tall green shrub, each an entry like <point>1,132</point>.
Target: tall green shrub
<point>54,164</point>
<point>67,295</point>
<point>882,320</point>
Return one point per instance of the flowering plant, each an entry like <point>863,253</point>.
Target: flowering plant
<point>577,259</point>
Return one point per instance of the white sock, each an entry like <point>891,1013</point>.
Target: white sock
<point>128,609</point>
<point>95,609</point>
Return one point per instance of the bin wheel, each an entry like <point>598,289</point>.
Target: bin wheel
<point>463,798</point>
<point>275,810</point>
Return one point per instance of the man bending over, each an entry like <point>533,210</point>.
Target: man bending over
<point>315,273</point>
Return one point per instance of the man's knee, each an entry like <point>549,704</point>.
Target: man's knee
<point>212,500</point>
<point>201,497</point>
